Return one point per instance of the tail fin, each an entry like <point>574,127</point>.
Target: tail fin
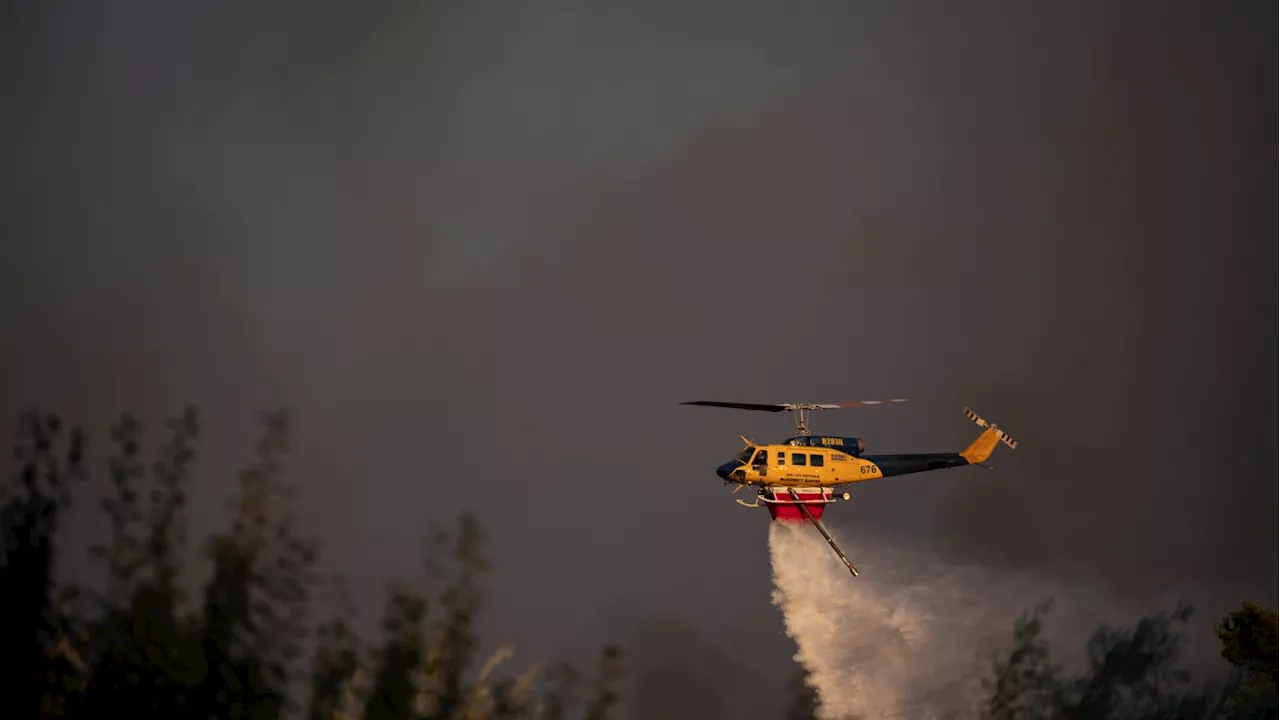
<point>981,448</point>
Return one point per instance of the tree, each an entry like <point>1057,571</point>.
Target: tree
<point>454,640</point>
<point>397,682</point>
<point>39,638</point>
<point>1248,637</point>
<point>1024,683</point>
<point>255,606</point>
<point>144,652</point>
<point>337,672</point>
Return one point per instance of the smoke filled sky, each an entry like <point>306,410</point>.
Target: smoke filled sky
<point>483,253</point>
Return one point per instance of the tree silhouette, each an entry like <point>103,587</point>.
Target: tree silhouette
<point>1024,684</point>
<point>1133,672</point>
<point>337,669</point>
<point>140,649</point>
<point>39,639</point>
<point>397,681</point>
<point>1248,638</point>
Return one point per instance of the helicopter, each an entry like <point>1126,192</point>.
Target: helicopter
<point>797,477</point>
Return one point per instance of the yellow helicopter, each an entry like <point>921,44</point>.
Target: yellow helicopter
<point>797,477</point>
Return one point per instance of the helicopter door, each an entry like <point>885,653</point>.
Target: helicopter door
<point>760,463</point>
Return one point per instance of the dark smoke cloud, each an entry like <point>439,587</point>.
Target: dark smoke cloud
<point>482,254</point>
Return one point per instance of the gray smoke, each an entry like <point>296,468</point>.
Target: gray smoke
<point>912,636</point>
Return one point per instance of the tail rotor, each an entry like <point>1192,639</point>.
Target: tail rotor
<point>1004,437</point>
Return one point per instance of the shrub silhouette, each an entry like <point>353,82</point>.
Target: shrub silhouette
<point>138,648</point>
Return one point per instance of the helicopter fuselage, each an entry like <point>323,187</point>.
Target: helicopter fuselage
<point>821,462</point>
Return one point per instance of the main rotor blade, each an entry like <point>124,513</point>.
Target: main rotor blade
<point>794,406</point>
<point>738,406</point>
<point>865,402</point>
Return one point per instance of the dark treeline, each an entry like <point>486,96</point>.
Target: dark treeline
<point>138,647</point>
<point>1133,673</point>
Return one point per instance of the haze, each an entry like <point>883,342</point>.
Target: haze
<point>483,253</point>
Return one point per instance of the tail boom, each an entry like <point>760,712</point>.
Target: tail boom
<point>978,452</point>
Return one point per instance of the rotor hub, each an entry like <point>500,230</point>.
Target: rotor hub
<point>802,425</point>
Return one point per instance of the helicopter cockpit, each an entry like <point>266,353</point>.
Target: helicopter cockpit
<point>756,457</point>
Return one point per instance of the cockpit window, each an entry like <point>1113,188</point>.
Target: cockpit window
<point>745,455</point>
<point>762,458</point>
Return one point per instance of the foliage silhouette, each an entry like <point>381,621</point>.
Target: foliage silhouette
<point>135,648</point>
<point>1249,643</point>
<point>1133,672</point>
<point>40,635</point>
<point>1025,684</point>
